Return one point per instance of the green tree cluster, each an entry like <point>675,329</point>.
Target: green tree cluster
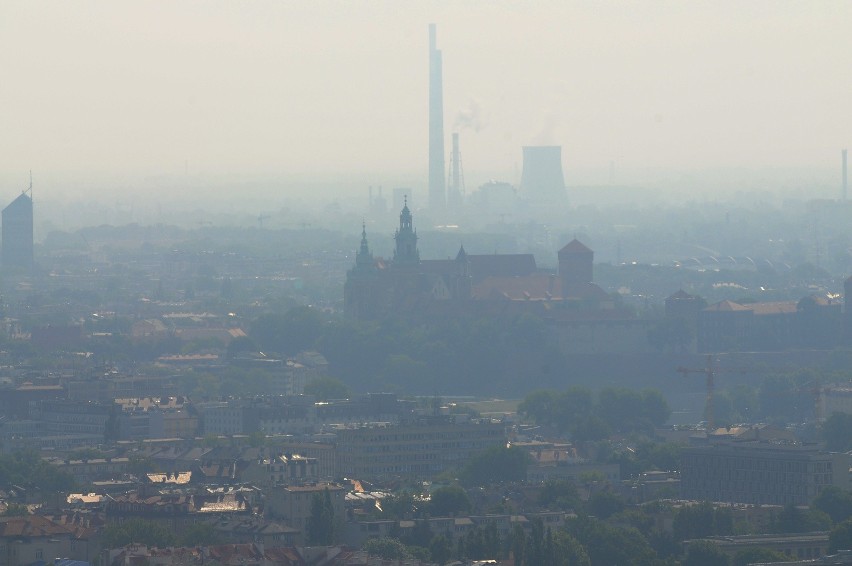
<point>485,354</point>
<point>794,519</point>
<point>321,522</point>
<point>449,501</point>
<point>836,431</point>
<point>326,387</point>
<point>834,502</point>
<point>152,533</point>
<point>495,465</point>
<point>578,412</point>
<point>702,520</point>
<point>27,469</point>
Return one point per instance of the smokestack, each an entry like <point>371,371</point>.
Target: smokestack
<point>456,194</point>
<point>437,187</point>
<point>542,180</point>
<point>845,183</point>
<point>456,164</point>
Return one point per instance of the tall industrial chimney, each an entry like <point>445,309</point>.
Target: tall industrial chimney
<point>454,192</point>
<point>845,183</point>
<point>542,180</point>
<point>437,187</point>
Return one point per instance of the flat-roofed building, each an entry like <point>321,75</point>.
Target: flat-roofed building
<point>760,472</point>
<point>419,449</point>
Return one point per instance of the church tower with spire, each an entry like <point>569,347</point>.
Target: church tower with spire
<point>405,254</point>
<point>363,257</point>
<point>360,289</point>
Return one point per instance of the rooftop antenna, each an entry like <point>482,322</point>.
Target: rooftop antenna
<point>30,188</point>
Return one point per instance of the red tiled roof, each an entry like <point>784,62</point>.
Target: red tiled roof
<point>31,526</point>
<point>505,265</point>
<point>535,286</point>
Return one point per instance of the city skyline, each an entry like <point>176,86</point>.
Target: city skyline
<point>117,95</point>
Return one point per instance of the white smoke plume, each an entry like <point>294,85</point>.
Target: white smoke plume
<point>470,118</point>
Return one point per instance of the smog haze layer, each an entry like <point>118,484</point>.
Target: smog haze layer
<point>275,102</point>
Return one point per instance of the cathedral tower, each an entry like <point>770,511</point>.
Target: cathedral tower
<point>576,265</point>
<point>360,299</point>
<point>405,253</point>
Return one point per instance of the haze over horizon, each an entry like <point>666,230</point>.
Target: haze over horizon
<point>135,99</point>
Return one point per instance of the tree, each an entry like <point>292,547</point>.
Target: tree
<point>326,387</point>
<point>702,520</point>
<point>421,535</point>
<point>296,330</point>
<point>559,493</point>
<point>398,506</point>
<point>497,464</point>
<point>449,501</point>
<point>27,469</point>
<point>567,551</point>
<point>139,465</point>
<point>837,432</point>
<point>320,526</point>
<point>663,456</point>
<point>197,534</point>
<point>142,531</point>
<point>794,519</point>
<point>840,537</point>
<point>606,544</point>
<point>440,549</point>
<point>603,504</point>
<point>834,502</point>
<point>240,345</point>
<point>705,553</point>
<point>387,548</point>
<point>519,545</point>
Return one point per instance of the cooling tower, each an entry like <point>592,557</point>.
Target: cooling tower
<point>542,179</point>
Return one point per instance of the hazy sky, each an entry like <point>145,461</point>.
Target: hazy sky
<point>100,89</point>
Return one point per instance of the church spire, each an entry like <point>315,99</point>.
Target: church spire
<point>406,252</point>
<point>363,258</point>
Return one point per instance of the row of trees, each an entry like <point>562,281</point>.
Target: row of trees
<point>28,470</point>
<point>609,531</point>
<point>152,533</point>
<point>584,416</point>
<point>539,547</point>
<point>420,356</point>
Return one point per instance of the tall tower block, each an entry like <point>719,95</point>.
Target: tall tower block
<point>17,231</point>
<point>845,183</point>
<point>437,185</point>
<point>541,179</point>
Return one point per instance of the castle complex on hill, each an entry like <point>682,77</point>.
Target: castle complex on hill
<point>473,284</point>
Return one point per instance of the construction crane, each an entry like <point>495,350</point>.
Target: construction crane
<point>813,388</point>
<point>710,370</point>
